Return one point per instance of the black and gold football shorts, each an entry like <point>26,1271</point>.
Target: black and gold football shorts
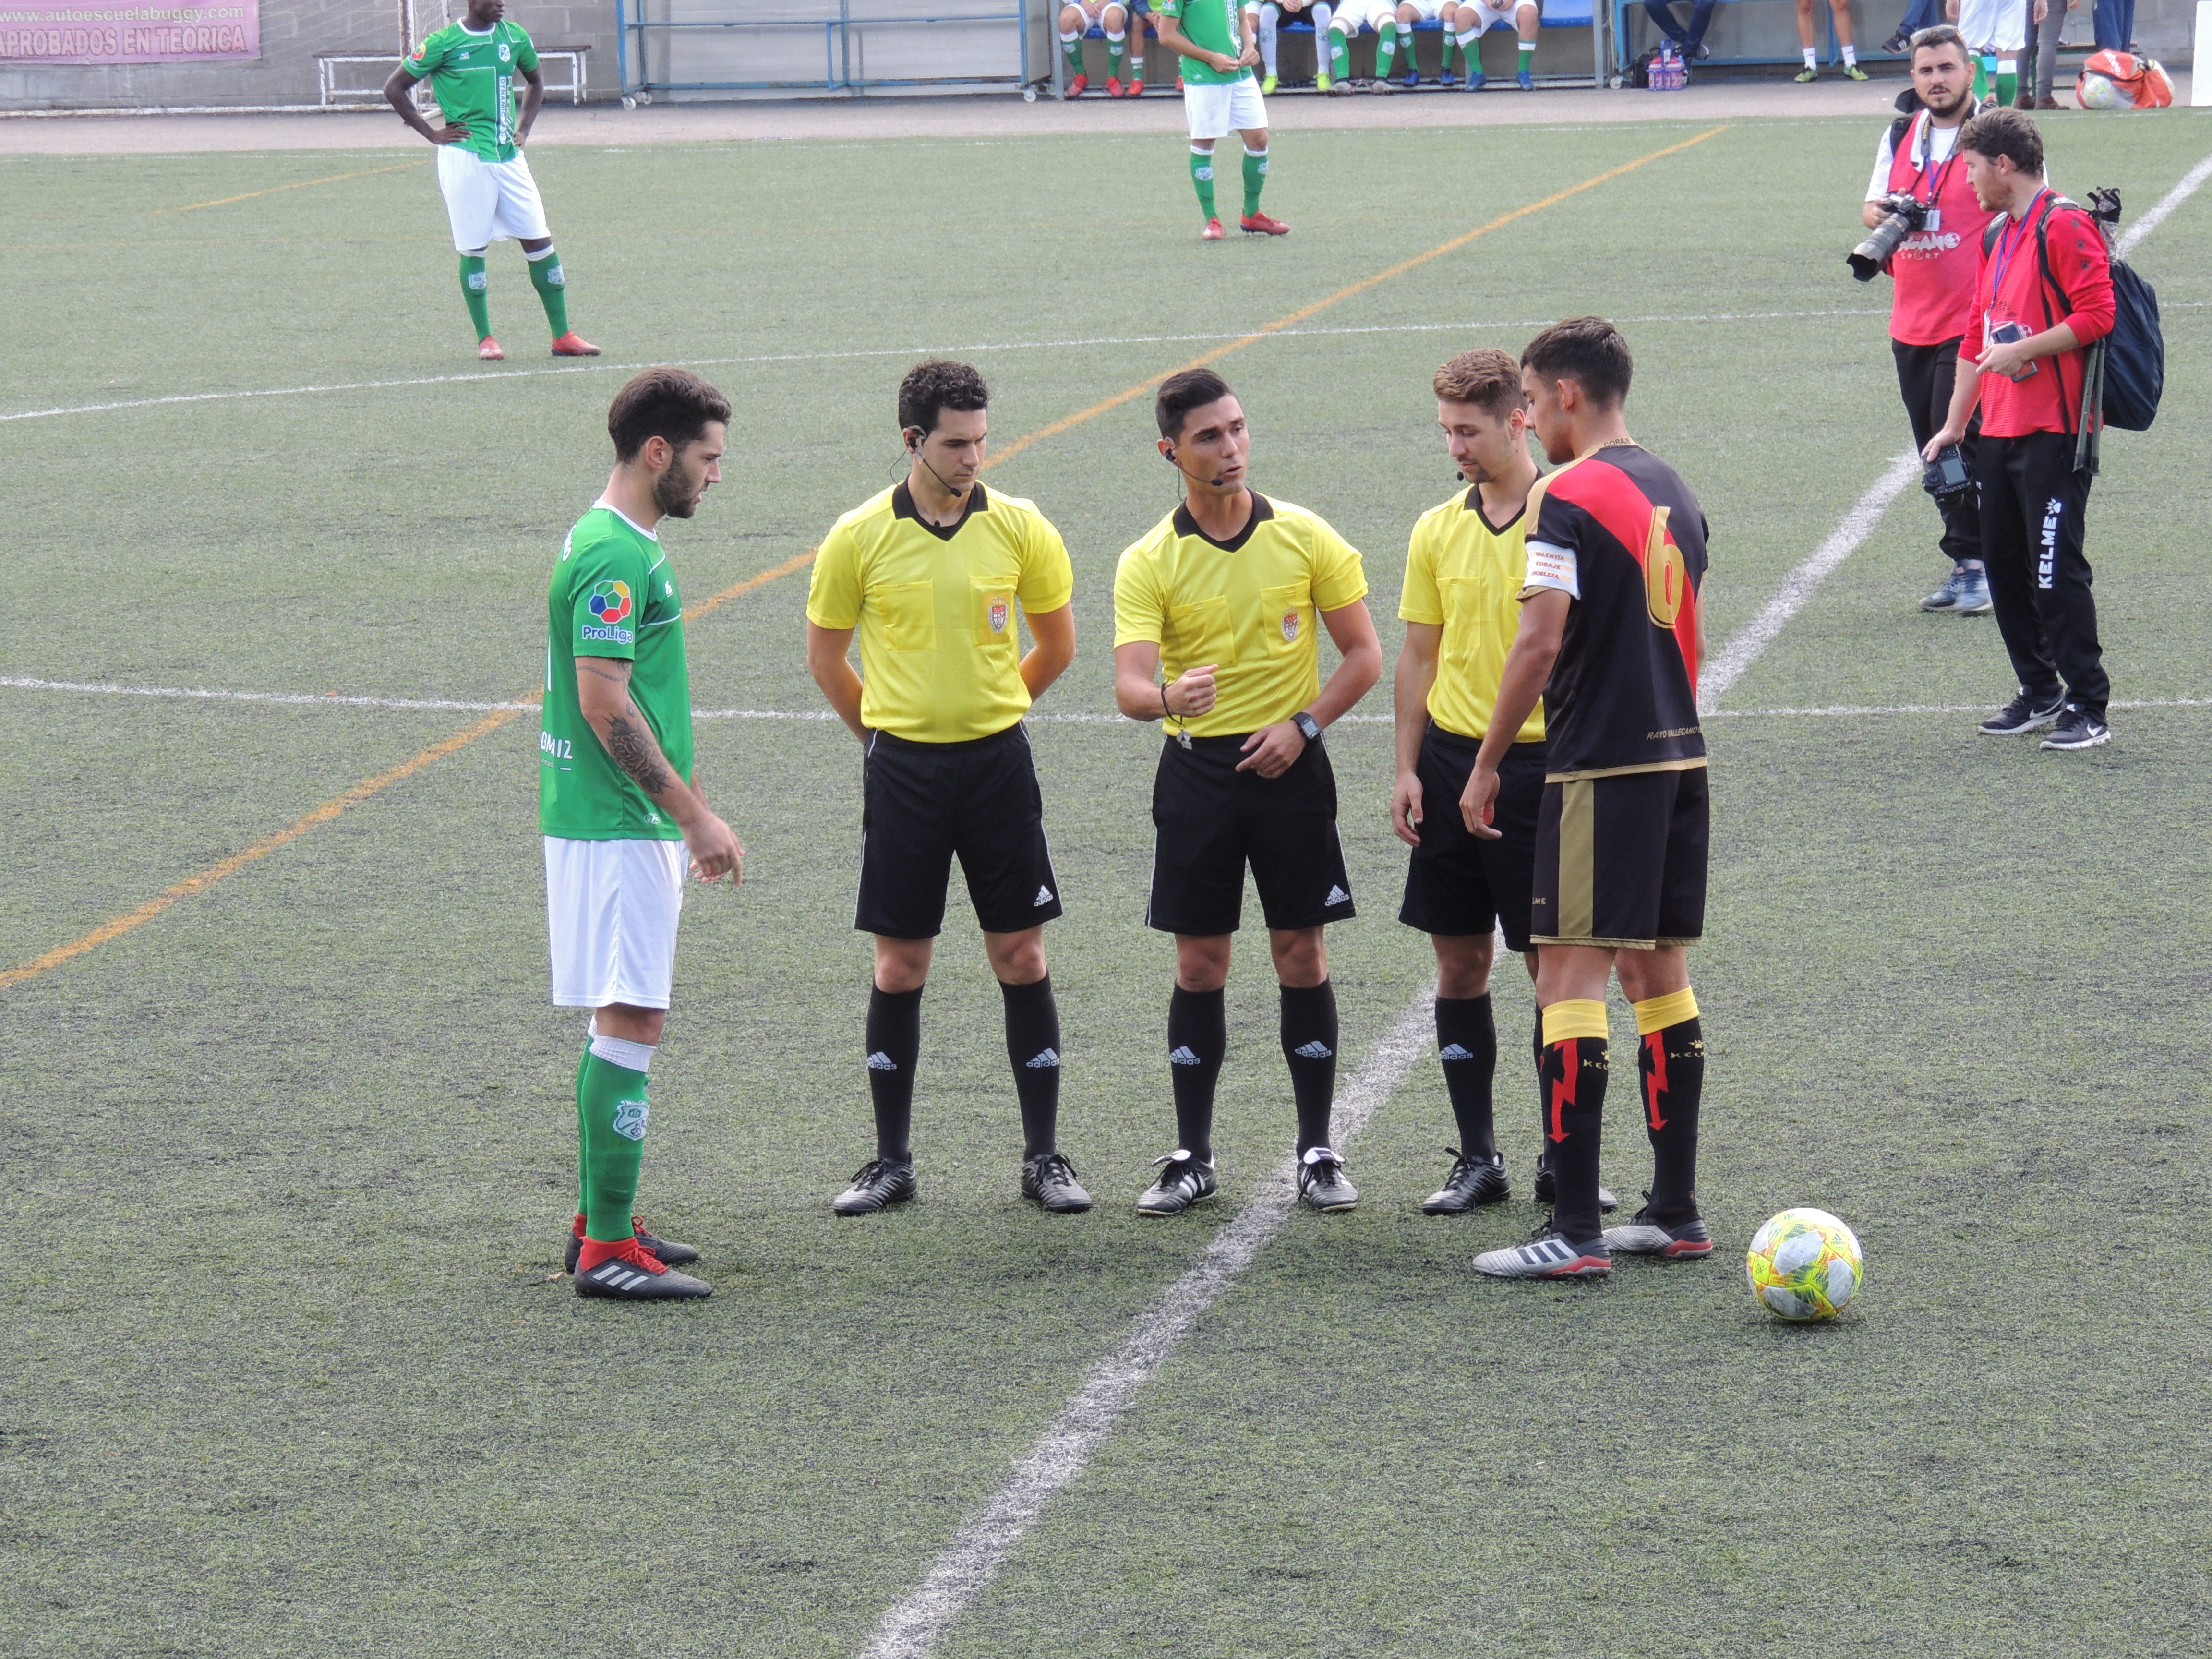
<point>1621,859</point>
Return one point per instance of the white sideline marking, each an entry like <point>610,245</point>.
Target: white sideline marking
<point>910,1629</point>
<point>879,351</point>
<point>2167,203</point>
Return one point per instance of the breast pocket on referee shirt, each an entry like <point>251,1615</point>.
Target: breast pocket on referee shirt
<point>991,605</point>
<point>1469,602</point>
<point>1200,632</point>
<point>909,614</point>
<point>1286,617</point>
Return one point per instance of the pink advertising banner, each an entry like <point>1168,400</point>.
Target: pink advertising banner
<point>179,32</point>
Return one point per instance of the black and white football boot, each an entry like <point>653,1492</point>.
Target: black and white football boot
<point>1183,1180</point>
<point>1682,1241</point>
<point>880,1184</point>
<point>1050,1180</point>
<point>1322,1182</point>
<point>1473,1181</point>
<point>632,1274</point>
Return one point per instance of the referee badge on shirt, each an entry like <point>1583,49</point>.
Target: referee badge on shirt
<point>1290,627</point>
<point>994,614</point>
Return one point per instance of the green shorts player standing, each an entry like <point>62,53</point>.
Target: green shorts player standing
<point>489,194</point>
<point>618,803</point>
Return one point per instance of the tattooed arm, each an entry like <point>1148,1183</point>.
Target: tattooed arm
<point>603,693</point>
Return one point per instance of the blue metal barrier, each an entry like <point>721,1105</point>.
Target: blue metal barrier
<point>631,31</point>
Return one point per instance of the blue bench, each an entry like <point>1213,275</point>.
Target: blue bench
<point>1556,14</point>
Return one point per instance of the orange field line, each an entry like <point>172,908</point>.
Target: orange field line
<point>361,792</point>
<point>225,201</point>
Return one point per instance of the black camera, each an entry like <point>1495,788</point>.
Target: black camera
<point>1946,475</point>
<point>1907,213</point>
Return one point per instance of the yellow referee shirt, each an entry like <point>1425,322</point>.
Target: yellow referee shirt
<point>1250,607</point>
<point>940,644</point>
<point>1462,573</point>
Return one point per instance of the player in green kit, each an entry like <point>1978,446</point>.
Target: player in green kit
<point>1218,41</point>
<point>489,194</point>
<point>619,805</point>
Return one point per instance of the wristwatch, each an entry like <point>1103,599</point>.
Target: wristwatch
<point>1308,728</point>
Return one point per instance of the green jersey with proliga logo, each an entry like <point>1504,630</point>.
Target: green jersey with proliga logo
<point>1211,25</point>
<point>472,77</point>
<point>613,595</point>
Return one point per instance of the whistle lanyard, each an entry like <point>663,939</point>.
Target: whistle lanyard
<point>2007,243</point>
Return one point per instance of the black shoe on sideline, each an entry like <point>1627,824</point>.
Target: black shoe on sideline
<point>2022,714</point>
<point>1473,1181</point>
<point>880,1184</point>
<point>1545,1189</point>
<point>667,1250</point>
<point>1050,1179</point>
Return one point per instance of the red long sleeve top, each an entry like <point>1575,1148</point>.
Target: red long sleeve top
<point>2011,289</point>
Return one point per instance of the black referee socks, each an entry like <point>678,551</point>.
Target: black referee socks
<point>1309,1047</point>
<point>1671,1068</point>
<point>1574,1074</point>
<point>1033,1047</point>
<point>1467,1043</point>
<point>1198,1036</point>
<point>894,1048</point>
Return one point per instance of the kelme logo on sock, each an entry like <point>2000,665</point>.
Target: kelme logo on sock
<point>629,1118</point>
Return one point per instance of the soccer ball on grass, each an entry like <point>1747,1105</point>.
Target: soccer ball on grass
<point>1804,1265</point>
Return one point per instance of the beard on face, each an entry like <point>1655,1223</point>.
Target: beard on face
<point>677,492</point>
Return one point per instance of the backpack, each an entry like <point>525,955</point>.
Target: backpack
<point>2124,374</point>
<point>2121,79</point>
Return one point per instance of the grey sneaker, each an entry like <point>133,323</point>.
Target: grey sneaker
<point>880,1185</point>
<point>2023,713</point>
<point>1473,1181</point>
<point>1684,1241</point>
<point>1974,595</point>
<point>1547,1255</point>
<point>1184,1182</point>
<point>1321,1183</point>
<point>1050,1179</point>
<point>2077,728</point>
<point>1946,598</point>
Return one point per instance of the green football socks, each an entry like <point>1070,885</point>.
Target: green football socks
<point>1444,60</point>
<point>610,1100</point>
<point>1116,46</point>
<point>2008,82</point>
<point>1386,49</point>
<point>1072,46</point>
<point>1256,179</point>
<point>583,1196</point>
<point>1528,55</point>
<point>1984,67</point>
<point>1339,56</point>
<point>473,283</point>
<point>1201,180</point>
<point>548,278</point>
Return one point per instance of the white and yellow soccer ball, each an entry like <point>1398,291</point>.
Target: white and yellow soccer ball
<point>1805,1265</point>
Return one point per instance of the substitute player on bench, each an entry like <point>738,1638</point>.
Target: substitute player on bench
<point>619,805</point>
<point>489,194</point>
<point>1460,602</point>
<point>1226,591</point>
<point>1609,638</point>
<point>1219,44</point>
<point>930,572</point>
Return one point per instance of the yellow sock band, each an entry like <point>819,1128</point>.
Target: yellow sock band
<point>1563,1020</point>
<point>1658,1013</point>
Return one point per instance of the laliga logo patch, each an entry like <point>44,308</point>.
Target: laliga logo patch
<point>1290,627</point>
<point>629,1118</point>
<point>998,615</point>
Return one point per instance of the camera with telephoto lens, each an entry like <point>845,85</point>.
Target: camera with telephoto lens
<point>1946,475</point>
<point>1906,216</point>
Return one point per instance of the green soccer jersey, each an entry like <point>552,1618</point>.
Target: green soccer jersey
<point>472,77</point>
<point>1212,25</point>
<point>613,595</point>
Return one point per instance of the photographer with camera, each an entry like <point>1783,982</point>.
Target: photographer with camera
<point>1927,231</point>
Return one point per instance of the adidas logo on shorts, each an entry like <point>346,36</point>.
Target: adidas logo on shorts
<point>1336,896</point>
<point>1454,1052</point>
<point>1315,1050</point>
<point>1044,896</point>
<point>1181,1057</point>
<point>880,1062</point>
<point>1043,1062</point>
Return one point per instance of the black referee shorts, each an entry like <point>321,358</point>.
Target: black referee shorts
<point>1621,861</point>
<point>925,802</point>
<point>1456,881</point>
<point>1210,820</point>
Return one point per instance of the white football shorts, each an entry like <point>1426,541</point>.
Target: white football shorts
<point>489,202</point>
<point>1094,11</point>
<point>1372,14</point>
<point>611,914</point>
<point>1999,23</point>
<point>1492,17</point>
<point>1427,11</point>
<point>1217,111</point>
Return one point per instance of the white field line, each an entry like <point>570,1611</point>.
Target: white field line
<point>883,351</point>
<point>910,1629</point>
<point>2173,199</point>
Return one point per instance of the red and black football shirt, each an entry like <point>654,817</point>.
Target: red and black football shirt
<point>1620,532</point>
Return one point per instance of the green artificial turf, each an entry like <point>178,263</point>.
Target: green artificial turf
<point>285,1365</point>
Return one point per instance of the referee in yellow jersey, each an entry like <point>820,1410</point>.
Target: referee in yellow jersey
<point>1465,567</point>
<point>1227,592</point>
<point>936,573</point>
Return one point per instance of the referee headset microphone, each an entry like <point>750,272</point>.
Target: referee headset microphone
<point>914,449</point>
<point>1211,483</point>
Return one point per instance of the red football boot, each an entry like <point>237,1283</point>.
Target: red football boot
<point>1212,233</point>
<point>1136,88</point>
<point>1113,87</point>
<point>489,349</point>
<point>1261,225</point>
<point>1079,86</point>
<point>571,344</point>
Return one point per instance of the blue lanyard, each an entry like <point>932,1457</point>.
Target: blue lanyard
<point>2006,245</point>
<point>1927,150</point>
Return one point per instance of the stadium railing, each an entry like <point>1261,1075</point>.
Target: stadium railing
<point>1625,12</point>
<point>842,29</point>
<point>332,89</point>
<point>1556,14</point>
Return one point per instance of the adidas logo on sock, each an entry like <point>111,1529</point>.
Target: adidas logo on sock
<point>1315,1050</point>
<point>880,1062</point>
<point>1336,896</point>
<point>1454,1052</point>
<point>1181,1057</point>
<point>1044,896</point>
<point>1043,1062</point>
